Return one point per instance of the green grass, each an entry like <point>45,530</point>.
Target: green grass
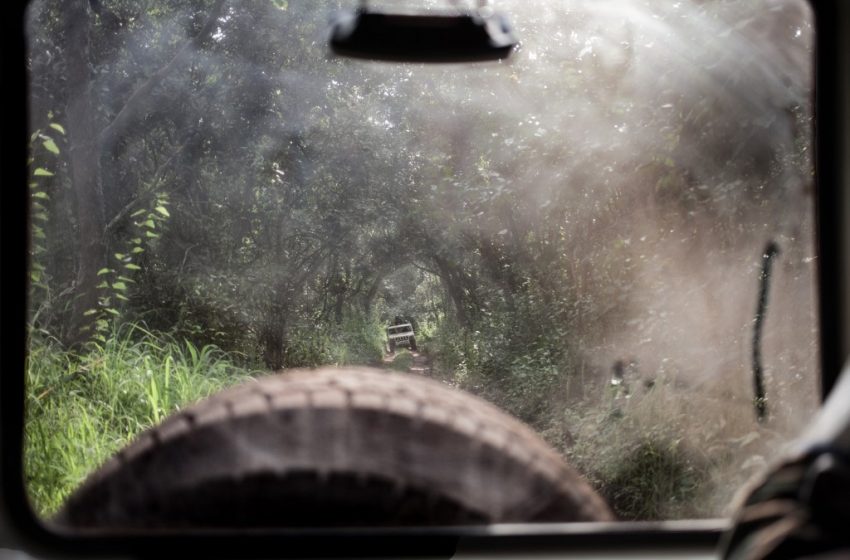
<point>653,479</point>
<point>83,408</point>
<point>665,452</point>
<point>641,453</point>
<point>358,340</point>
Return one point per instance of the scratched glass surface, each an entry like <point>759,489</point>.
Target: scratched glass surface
<point>609,234</point>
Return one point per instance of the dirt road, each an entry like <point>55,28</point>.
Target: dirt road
<point>420,364</point>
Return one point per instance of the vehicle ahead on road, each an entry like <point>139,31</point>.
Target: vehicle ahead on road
<point>401,335</point>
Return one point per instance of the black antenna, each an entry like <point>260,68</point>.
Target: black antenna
<point>760,401</point>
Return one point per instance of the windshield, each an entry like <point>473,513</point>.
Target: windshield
<point>609,235</point>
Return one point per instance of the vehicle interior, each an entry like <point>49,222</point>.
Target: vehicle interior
<point>618,228</point>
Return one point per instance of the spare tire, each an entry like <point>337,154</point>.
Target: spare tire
<point>334,447</point>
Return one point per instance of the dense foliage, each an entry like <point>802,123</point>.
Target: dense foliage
<point>204,168</point>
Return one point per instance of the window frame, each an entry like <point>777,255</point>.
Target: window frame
<point>21,525</point>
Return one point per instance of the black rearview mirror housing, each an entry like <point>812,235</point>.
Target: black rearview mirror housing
<point>465,37</point>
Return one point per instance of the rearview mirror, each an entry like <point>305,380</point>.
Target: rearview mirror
<point>465,37</point>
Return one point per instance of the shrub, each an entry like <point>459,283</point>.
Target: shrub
<point>402,361</point>
<point>357,340</point>
<point>82,408</point>
<point>656,475</point>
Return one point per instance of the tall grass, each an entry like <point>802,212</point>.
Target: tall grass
<point>82,408</point>
<point>666,452</point>
<point>660,451</point>
<point>357,340</point>
<point>665,449</point>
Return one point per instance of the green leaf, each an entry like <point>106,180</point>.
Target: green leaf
<point>112,311</point>
<point>51,146</point>
<point>137,213</point>
<point>120,256</point>
<point>90,312</point>
<point>103,271</point>
<point>102,285</point>
<point>57,127</point>
<point>122,297</point>
<point>150,223</point>
<point>42,172</point>
<point>162,210</point>
<point>40,194</point>
<point>131,266</point>
<point>137,250</point>
<point>120,286</point>
<point>151,234</point>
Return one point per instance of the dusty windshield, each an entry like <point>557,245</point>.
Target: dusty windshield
<point>608,235</point>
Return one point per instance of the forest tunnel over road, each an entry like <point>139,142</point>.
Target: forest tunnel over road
<point>602,197</point>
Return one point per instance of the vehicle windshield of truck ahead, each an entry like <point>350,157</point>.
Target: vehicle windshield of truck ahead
<point>608,235</point>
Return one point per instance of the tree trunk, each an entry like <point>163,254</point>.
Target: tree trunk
<point>455,291</point>
<point>368,298</point>
<point>87,143</point>
<point>343,277</point>
<point>84,159</point>
<point>273,343</point>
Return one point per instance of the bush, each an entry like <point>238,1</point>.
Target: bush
<point>82,408</point>
<point>357,340</point>
<point>654,476</point>
<point>402,361</point>
<point>520,372</point>
<point>646,456</point>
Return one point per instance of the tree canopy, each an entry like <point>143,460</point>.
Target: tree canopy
<point>214,172</point>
